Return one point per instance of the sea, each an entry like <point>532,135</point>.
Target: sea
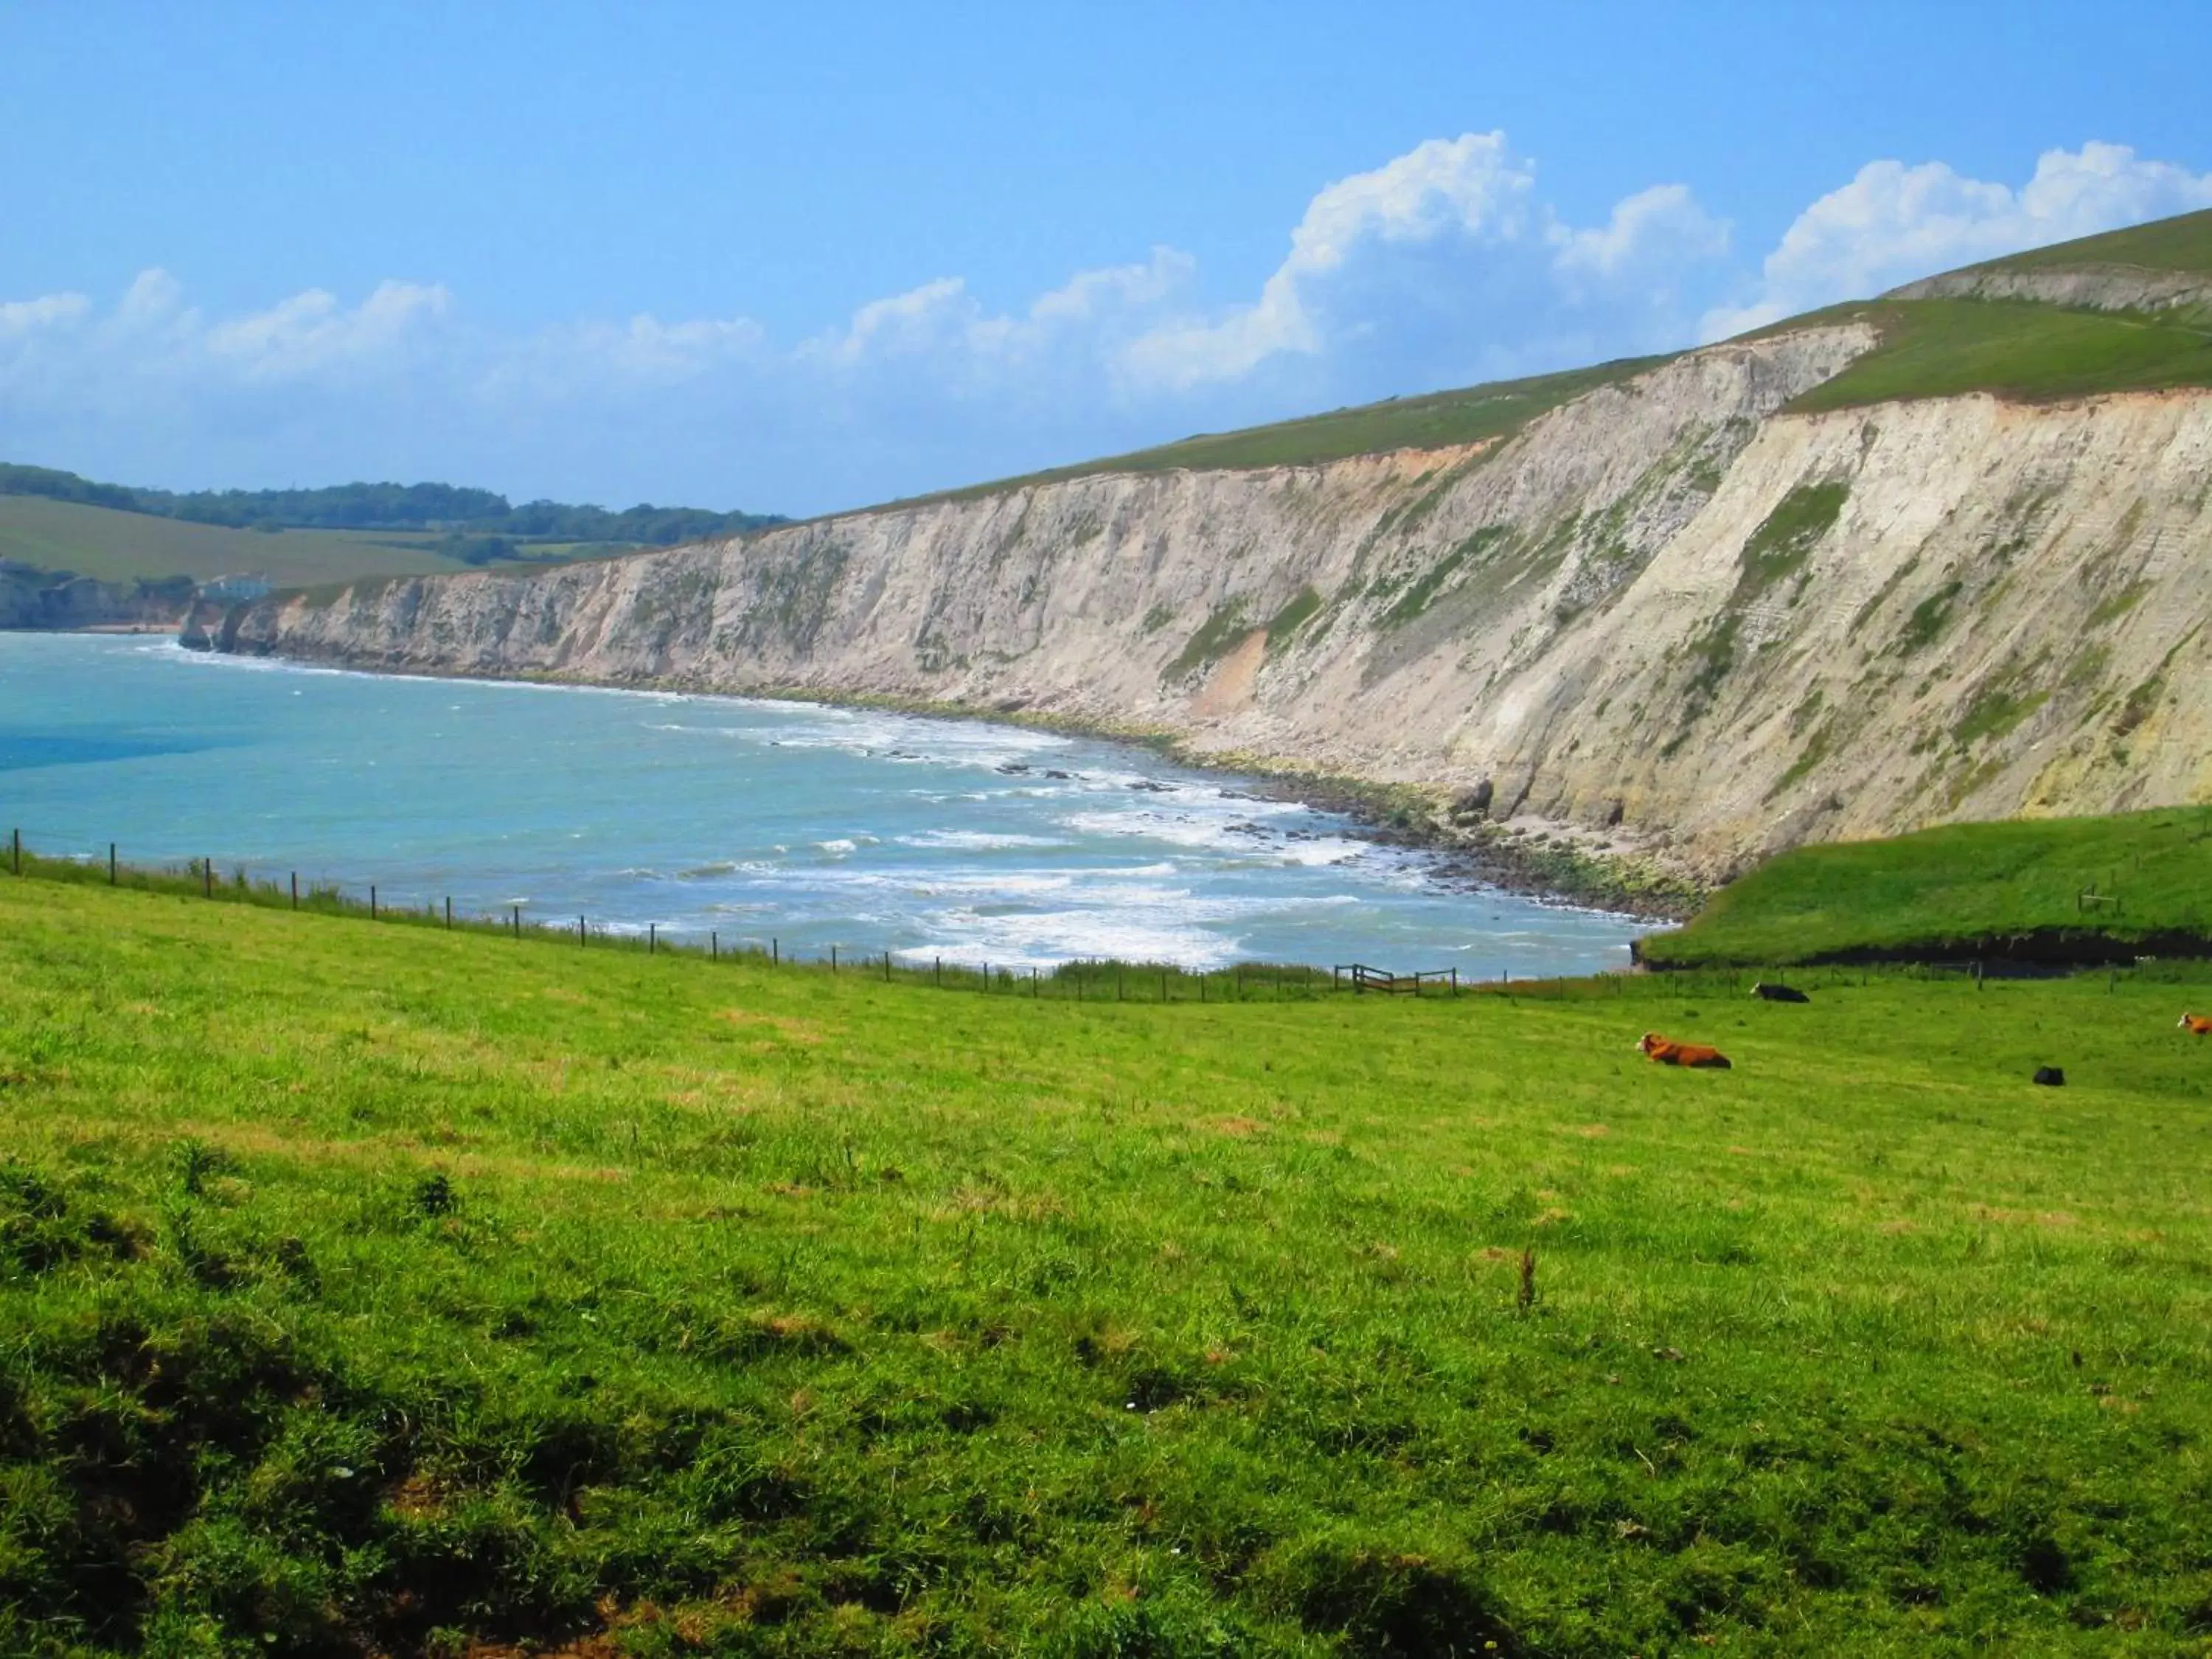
<point>800,827</point>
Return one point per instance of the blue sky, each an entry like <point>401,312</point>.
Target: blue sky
<point>796,258</point>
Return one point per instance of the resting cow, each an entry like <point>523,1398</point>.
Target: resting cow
<point>1664,1051</point>
<point>2197,1025</point>
<point>1767,993</point>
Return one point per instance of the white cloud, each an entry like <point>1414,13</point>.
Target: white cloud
<point>21,317</point>
<point>942,323</point>
<point>1654,227</point>
<point>1444,266</point>
<point>1892,224</point>
<point>313,333</point>
<point>1453,228</point>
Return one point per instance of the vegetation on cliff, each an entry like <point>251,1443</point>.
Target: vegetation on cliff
<point>372,1288</point>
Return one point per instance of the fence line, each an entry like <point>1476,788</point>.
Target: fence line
<point>1077,979</point>
<point>1080,980</point>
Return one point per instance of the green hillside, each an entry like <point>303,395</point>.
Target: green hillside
<point>374,1289</point>
<point>1497,409</point>
<point>2183,243</point>
<point>120,546</point>
<point>56,521</point>
<point>1947,889</point>
<point>2028,353</point>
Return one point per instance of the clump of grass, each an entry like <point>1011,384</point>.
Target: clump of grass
<point>1928,619</point>
<point>1785,538</point>
<point>1296,611</point>
<point>1995,711</point>
<point>1215,637</point>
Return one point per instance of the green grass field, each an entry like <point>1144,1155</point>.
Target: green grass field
<point>115,546</point>
<point>2182,243</point>
<point>2027,353</point>
<point>367,1288</point>
<point>1946,888</point>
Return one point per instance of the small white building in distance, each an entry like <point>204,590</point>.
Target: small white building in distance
<point>234,590</point>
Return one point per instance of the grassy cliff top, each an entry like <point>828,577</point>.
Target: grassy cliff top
<point>373,1288</point>
<point>2182,243</point>
<point>1436,420</point>
<point>1960,884</point>
<point>2016,350</point>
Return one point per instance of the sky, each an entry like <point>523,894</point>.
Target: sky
<point>798,259</point>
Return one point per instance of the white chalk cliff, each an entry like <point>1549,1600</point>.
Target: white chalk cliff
<point>1667,610</point>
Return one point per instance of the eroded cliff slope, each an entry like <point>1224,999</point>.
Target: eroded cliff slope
<point>1670,607</point>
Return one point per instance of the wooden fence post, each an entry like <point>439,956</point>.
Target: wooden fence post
<point>111,864</point>
<point>372,900</point>
<point>16,843</point>
<point>449,913</point>
<point>518,921</point>
<point>207,878</point>
<point>295,889</point>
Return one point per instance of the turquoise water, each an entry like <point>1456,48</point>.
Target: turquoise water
<point>810,825</point>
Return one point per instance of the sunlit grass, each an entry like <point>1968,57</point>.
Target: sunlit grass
<point>2136,879</point>
<point>370,1285</point>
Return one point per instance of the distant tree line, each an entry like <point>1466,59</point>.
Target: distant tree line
<point>481,526</point>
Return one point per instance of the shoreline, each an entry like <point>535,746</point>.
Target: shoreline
<point>1539,859</point>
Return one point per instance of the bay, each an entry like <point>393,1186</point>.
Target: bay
<point>812,825</point>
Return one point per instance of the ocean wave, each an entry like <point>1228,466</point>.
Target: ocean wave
<point>974,841</point>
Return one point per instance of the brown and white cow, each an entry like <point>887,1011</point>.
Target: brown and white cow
<point>1665,1051</point>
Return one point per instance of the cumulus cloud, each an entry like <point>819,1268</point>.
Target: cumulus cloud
<point>1454,234</point>
<point>19,319</point>
<point>1894,223</point>
<point>1444,266</point>
<point>151,333</point>
<point>313,333</point>
<point>1086,320</point>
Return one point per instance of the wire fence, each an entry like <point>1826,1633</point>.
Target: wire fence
<point>236,882</point>
<point>1085,980</point>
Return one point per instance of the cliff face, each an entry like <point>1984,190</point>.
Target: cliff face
<point>1664,609</point>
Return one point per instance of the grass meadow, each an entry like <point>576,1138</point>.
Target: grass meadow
<point>2127,877</point>
<point>372,1289</point>
<point>2016,351</point>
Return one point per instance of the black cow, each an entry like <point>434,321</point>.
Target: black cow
<point>2051,1077</point>
<point>1767,993</point>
